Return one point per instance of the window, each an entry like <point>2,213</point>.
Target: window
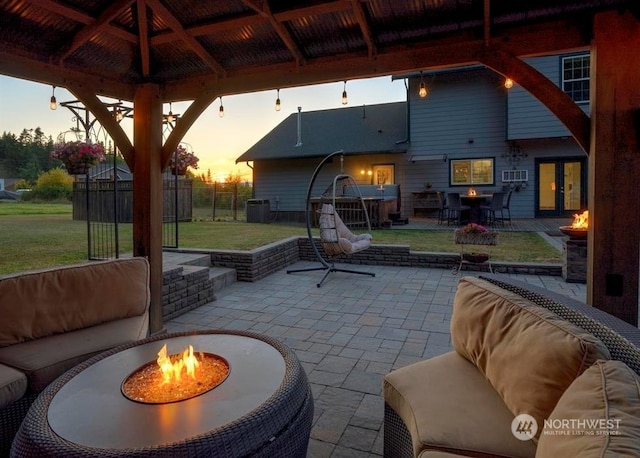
<point>471,171</point>
<point>575,77</point>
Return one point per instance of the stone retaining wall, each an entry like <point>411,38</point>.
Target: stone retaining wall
<point>185,288</point>
<point>256,264</point>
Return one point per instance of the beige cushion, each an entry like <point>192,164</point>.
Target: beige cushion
<point>13,385</point>
<point>43,360</point>
<point>448,405</point>
<point>39,304</point>
<point>332,229</point>
<point>528,354</point>
<point>609,392</point>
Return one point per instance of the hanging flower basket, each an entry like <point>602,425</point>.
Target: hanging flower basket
<point>77,168</point>
<point>181,160</point>
<point>78,157</point>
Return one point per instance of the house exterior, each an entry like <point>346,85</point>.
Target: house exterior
<point>470,131</point>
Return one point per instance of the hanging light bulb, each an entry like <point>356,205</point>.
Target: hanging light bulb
<point>278,101</point>
<point>119,114</point>
<point>508,83</point>
<point>170,115</point>
<point>422,92</point>
<point>53,103</point>
<point>221,110</point>
<point>345,100</point>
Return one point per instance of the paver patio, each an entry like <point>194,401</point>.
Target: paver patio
<point>348,334</point>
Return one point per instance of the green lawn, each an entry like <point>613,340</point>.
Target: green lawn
<point>34,236</point>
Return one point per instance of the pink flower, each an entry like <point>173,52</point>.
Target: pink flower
<point>74,152</point>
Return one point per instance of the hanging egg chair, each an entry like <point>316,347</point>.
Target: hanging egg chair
<point>339,209</point>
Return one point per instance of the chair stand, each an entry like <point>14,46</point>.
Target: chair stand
<point>330,267</point>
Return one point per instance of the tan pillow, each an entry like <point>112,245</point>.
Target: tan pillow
<point>528,354</point>
<point>62,299</point>
<point>607,398</point>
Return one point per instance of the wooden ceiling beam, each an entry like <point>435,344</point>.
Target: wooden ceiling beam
<point>159,9</point>
<point>96,26</point>
<point>364,26</point>
<point>143,33</point>
<point>262,8</point>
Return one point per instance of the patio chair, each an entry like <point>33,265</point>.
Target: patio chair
<point>455,208</point>
<point>443,208</point>
<point>496,205</point>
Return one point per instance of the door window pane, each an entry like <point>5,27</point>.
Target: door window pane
<point>572,186</point>
<point>547,188</point>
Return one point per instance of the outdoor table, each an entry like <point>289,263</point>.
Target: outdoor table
<point>264,406</point>
<point>476,215</point>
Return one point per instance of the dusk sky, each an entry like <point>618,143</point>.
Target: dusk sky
<point>216,141</point>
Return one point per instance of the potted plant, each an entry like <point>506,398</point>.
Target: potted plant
<point>181,160</point>
<point>78,156</point>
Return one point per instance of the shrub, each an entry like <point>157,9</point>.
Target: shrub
<point>55,184</point>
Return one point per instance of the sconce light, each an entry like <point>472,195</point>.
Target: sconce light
<point>515,154</point>
<point>221,110</point>
<point>170,117</point>
<point>508,83</point>
<point>53,103</point>
<point>422,92</point>
<point>345,100</point>
<point>278,101</point>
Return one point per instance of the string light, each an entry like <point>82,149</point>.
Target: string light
<point>170,117</point>
<point>53,103</point>
<point>508,83</point>
<point>119,114</point>
<point>422,92</point>
<point>278,101</point>
<point>221,110</point>
<point>345,100</point>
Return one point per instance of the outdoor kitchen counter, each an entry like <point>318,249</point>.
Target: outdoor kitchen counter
<point>264,404</point>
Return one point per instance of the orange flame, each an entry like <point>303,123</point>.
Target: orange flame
<point>581,220</point>
<point>172,371</point>
<point>471,192</point>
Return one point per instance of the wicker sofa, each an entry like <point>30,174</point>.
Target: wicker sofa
<point>54,319</point>
<point>521,353</point>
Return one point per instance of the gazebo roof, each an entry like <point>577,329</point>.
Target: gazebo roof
<point>236,46</point>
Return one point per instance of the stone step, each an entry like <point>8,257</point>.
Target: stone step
<point>221,277</point>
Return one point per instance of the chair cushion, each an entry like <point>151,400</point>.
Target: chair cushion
<point>43,360</point>
<point>527,353</point>
<point>13,385</point>
<point>43,303</point>
<point>448,405</point>
<point>608,394</point>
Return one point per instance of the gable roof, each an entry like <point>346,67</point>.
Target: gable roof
<point>363,129</point>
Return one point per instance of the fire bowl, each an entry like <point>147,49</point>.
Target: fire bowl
<point>574,233</point>
<point>145,384</point>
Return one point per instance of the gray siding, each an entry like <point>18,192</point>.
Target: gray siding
<point>529,118</point>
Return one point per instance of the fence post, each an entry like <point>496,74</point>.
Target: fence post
<point>235,201</point>
<point>213,201</point>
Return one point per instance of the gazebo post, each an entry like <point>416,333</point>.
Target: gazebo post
<point>147,191</point>
<point>614,166</point>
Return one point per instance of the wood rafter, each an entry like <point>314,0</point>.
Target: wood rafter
<point>262,8</point>
<point>487,21</point>
<point>194,44</point>
<point>364,26</point>
<point>96,26</point>
<point>143,33</point>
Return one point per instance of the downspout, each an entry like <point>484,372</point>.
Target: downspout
<point>407,139</point>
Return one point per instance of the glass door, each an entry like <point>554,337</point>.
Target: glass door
<point>562,189</point>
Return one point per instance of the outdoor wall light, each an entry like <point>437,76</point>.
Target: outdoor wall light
<point>53,103</point>
<point>508,83</point>
<point>345,100</point>
<point>221,110</point>
<point>278,101</point>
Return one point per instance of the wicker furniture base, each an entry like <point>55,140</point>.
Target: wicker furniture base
<point>279,426</point>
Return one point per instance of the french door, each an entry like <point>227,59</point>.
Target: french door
<point>561,187</point>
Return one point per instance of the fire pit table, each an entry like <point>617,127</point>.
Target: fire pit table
<point>263,408</point>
